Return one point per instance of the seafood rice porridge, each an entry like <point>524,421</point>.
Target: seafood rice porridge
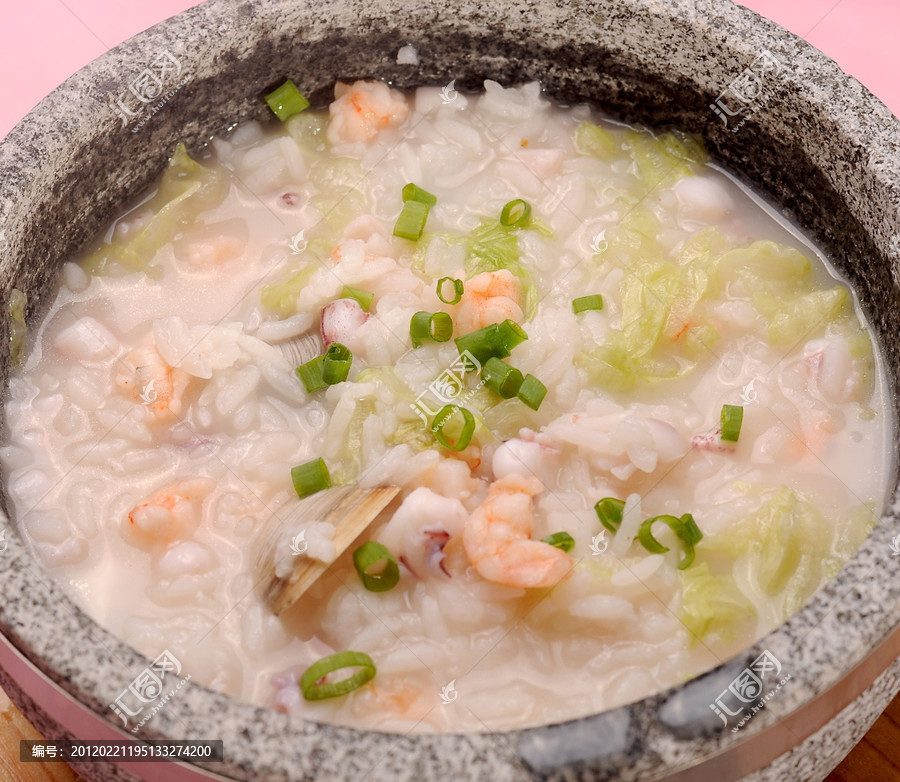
<point>633,419</point>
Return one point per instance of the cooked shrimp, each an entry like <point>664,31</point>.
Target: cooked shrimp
<point>363,109</point>
<point>153,382</point>
<point>171,513</point>
<point>420,528</point>
<point>489,297</point>
<point>497,538</point>
<point>340,320</point>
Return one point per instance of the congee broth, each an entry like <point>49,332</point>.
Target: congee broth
<point>635,420</point>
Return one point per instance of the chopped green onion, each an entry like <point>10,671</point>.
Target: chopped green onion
<point>369,554</point>
<point>516,214</point>
<point>312,373</point>
<point>583,303</point>
<point>465,435</point>
<point>561,540</point>
<point>685,529</point>
<point>336,365</point>
<point>494,341</point>
<point>314,689</point>
<point>501,378</point>
<point>363,298</point>
<point>310,477</point>
<point>437,326</point>
<point>610,511</point>
<point>458,289</point>
<point>511,333</point>
<point>413,192</point>
<point>532,392</point>
<point>286,101</point>
<point>732,417</point>
<point>692,533</point>
<point>411,222</point>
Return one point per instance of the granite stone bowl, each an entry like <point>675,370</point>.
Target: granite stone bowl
<point>774,111</point>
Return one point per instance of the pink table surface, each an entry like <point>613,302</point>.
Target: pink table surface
<point>42,42</point>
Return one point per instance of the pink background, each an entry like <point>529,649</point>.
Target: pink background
<point>42,42</point>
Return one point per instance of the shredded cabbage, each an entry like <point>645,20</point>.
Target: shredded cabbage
<point>658,160</point>
<point>186,189</point>
<point>597,141</point>
<point>281,297</point>
<point>666,326</point>
<point>789,547</point>
<point>712,604</point>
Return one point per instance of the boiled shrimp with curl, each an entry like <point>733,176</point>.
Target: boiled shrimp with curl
<point>497,538</point>
<point>363,109</point>
<point>153,382</point>
<point>171,513</point>
<point>489,297</point>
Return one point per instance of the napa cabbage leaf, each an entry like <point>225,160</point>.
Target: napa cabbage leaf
<point>186,189</point>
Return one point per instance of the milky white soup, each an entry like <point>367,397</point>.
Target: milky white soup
<point>154,425</point>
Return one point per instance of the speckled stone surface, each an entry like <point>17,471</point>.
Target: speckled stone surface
<point>812,138</point>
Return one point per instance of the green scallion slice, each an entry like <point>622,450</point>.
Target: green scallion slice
<point>501,378</point>
<point>336,364</point>
<point>732,417</point>
<point>685,529</point>
<point>516,214</point>
<point>532,392</point>
<point>286,101</point>
<point>583,303</point>
<point>370,554</point>
<point>363,298</point>
<point>315,689</point>
<point>494,341</point>
<point>312,373</point>
<point>610,511</point>
<point>458,289</point>
<point>443,417</point>
<point>511,334</point>
<point>310,477</point>
<point>411,222</point>
<point>436,326</point>
<point>562,540</point>
<point>412,192</point>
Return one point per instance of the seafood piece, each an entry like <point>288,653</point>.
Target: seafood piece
<point>620,441</point>
<point>363,109</point>
<point>172,513</point>
<point>497,539</point>
<point>153,382</point>
<point>489,297</point>
<point>421,527</point>
<point>341,319</point>
<point>528,452</point>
